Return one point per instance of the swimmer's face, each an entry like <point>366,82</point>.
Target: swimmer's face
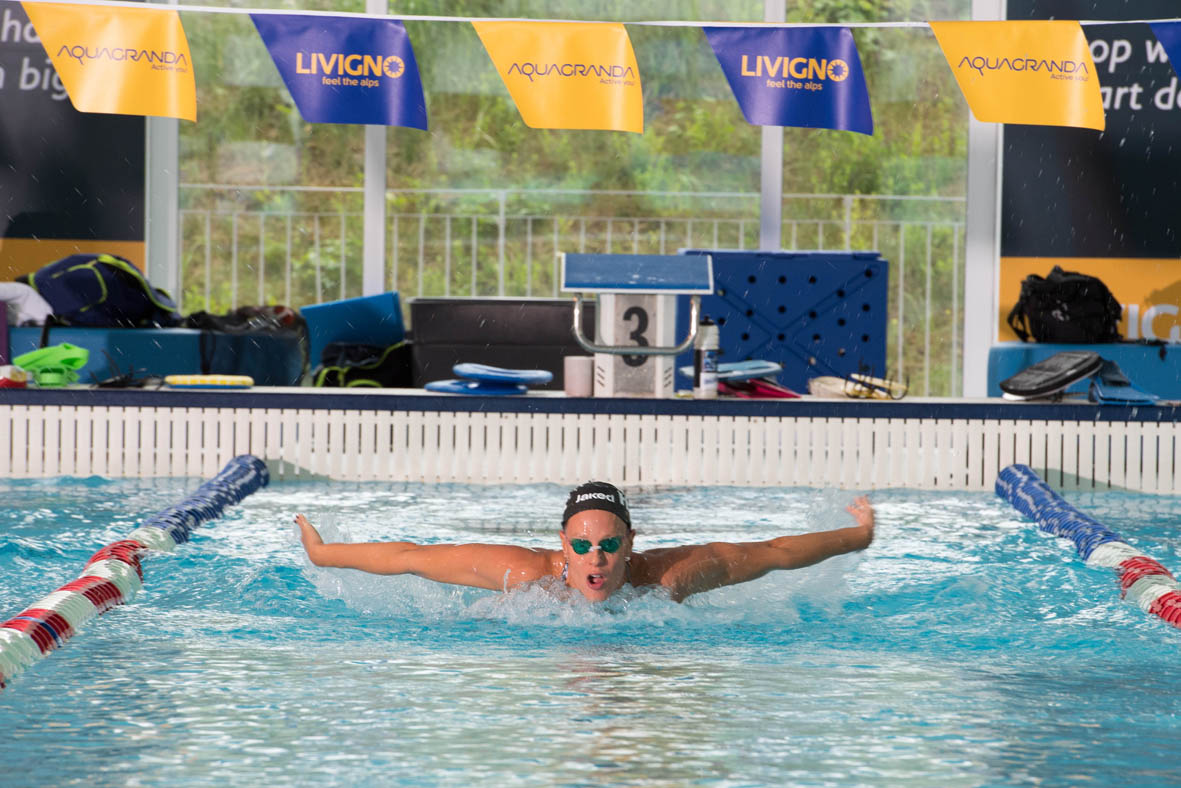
<point>597,574</point>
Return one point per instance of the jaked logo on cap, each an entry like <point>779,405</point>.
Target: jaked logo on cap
<point>593,495</point>
<point>600,496</point>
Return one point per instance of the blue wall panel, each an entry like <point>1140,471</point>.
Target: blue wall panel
<point>816,313</point>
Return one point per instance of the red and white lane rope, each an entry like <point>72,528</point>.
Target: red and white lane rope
<point>1143,581</point>
<point>113,575</point>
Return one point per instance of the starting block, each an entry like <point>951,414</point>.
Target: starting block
<point>635,347</point>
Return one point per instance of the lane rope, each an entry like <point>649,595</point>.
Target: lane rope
<point>114,575</point>
<point>1143,581</point>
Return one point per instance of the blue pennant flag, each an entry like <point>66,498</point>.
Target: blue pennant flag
<point>345,70</point>
<point>1169,36</point>
<point>795,76</point>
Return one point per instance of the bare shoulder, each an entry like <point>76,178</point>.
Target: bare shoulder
<point>651,567</point>
<point>523,564</point>
<point>542,562</point>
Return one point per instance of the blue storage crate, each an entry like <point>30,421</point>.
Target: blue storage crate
<point>816,313</point>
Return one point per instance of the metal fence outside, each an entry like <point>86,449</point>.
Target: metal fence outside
<point>302,245</point>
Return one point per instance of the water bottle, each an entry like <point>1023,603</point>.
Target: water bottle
<point>705,360</point>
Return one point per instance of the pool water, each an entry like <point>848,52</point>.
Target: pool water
<point>964,648</point>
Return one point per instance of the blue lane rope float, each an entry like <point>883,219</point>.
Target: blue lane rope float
<point>114,575</point>
<point>1143,581</point>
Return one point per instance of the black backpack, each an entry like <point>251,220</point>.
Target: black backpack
<point>351,365</point>
<point>1065,307</point>
<point>103,291</point>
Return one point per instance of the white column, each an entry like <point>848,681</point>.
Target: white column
<point>771,187</point>
<point>982,235</point>
<point>162,205</point>
<point>162,202</point>
<point>373,237</point>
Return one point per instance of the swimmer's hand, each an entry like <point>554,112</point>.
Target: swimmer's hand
<point>312,542</point>
<point>862,512</point>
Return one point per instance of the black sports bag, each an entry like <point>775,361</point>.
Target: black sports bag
<point>1065,307</point>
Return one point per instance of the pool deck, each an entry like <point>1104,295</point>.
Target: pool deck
<point>365,399</point>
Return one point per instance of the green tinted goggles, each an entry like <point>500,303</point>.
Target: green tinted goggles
<point>608,545</point>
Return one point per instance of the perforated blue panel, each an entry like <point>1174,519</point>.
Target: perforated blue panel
<point>816,313</point>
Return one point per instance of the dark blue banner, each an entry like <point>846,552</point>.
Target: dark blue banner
<point>795,76</point>
<point>1169,36</point>
<point>345,70</point>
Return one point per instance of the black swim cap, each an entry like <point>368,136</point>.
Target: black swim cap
<point>597,495</point>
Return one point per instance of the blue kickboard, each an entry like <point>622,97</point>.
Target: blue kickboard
<point>1107,394</point>
<point>490,374</point>
<point>482,388</point>
<point>741,370</point>
<point>369,320</point>
<point>1110,386</point>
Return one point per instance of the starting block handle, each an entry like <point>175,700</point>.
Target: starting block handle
<point>638,350</point>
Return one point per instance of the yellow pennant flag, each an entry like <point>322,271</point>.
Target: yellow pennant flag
<point>568,75</point>
<point>119,61</point>
<point>1037,72</point>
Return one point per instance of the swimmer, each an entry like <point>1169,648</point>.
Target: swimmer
<point>596,557</point>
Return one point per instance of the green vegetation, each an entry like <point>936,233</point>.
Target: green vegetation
<point>517,194</point>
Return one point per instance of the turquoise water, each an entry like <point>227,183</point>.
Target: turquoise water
<point>963,649</point>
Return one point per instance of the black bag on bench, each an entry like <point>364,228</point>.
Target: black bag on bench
<point>1065,307</point>
<point>351,365</point>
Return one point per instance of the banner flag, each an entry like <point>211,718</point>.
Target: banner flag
<point>795,76</point>
<point>119,61</point>
<point>344,70</point>
<point>1169,36</point>
<point>1036,72</point>
<point>568,75</point>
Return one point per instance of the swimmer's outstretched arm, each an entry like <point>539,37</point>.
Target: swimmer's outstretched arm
<point>696,568</point>
<point>497,567</point>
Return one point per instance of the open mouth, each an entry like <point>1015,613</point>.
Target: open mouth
<point>595,581</point>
